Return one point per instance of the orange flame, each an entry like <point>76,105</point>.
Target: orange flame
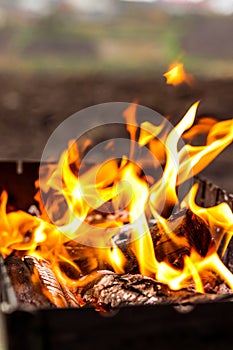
<point>176,75</point>
<point>73,200</point>
<point>116,258</point>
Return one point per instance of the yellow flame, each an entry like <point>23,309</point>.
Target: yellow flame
<point>71,197</point>
<point>219,137</point>
<point>116,258</point>
<point>164,191</point>
<point>176,74</point>
<point>142,242</point>
<point>220,216</point>
<point>130,116</point>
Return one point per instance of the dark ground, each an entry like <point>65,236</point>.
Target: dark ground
<point>32,107</point>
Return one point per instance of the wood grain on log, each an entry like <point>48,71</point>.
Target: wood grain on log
<point>36,285</point>
<point>58,294</point>
<point>110,291</point>
<point>45,276</point>
<point>187,232</point>
<point>192,233</point>
<point>27,293</point>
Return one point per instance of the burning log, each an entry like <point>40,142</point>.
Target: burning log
<point>58,294</point>
<point>108,291</point>
<point>28,293</point>
<point>190,232</point>
<point>229,256</point>
<point>36,285</point>
<point>50,286</point>
<point>70,297</point>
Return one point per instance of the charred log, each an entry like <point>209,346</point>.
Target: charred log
<point>228,257</point>
<point>70,297</point>
<point>190,231</point>
<point>187,232</point>
<point>28,294</point>
<point>59,296</point>
<point>36,285</point>
<point>108,291</point>
<point>84,256</point>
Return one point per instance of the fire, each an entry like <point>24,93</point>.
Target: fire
<point>71,209</point>
<point>116,258</point>
<point>177,75</point>
<point>220,216</point>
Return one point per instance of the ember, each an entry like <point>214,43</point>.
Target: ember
<point>73,253</point>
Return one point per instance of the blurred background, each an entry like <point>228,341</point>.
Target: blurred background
<point>59,56</point>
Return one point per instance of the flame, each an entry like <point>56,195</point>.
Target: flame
<point>165,189</point>
<point>220,216</point>
<point>142,241</point>
<point>176,75</point>
<point>85,205</point>
<point>116,258</point>
<point>130,116</point>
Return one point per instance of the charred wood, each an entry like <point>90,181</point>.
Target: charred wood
<point>43,274</point>
<point>84,256</point>
<point>28,294</point>
<point>109,291</point>
<point>70,297</point>
<point>190,231</point>
<point>36,285</point>
<point>187,232</point>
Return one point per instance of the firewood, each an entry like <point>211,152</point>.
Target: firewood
<point>187,228</point>
<point>58,293</point>
<point>84,256</point>
<point>27,293</point>
<point>192,232</point>
<point>70,297</point>
<point>50,286</point>
<point>109,291</point>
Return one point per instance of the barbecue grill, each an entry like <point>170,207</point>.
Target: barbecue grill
<point>206,325</point>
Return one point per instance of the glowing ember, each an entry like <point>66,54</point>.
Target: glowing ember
<point>176,75</point>
<point>123,186</point>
